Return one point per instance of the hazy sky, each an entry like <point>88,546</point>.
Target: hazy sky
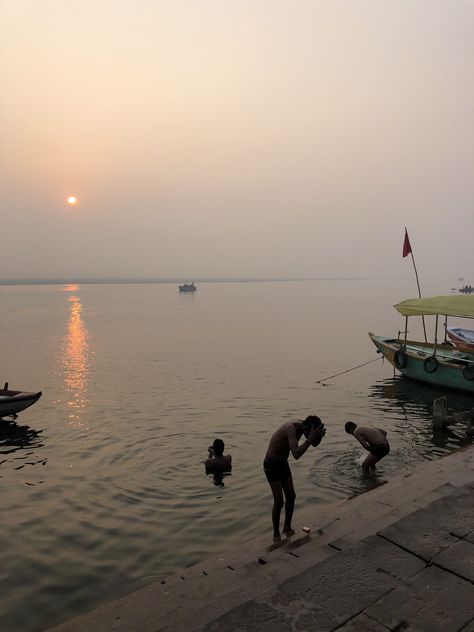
<point>236,138</point>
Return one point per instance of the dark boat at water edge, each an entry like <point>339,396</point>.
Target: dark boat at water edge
<point>13,402</point>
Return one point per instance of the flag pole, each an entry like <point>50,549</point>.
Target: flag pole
<point>418,284</point>
<point>416,274</point>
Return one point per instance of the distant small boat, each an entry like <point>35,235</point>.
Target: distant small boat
<point>187,287</point>
<point>466,289</point>
<point>12,402</point>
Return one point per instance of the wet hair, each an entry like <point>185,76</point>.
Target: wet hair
<point>350,426</point>
<point>312,421</point>
<point>218,447</point>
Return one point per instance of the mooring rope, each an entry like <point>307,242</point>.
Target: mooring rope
<point>347,371</point>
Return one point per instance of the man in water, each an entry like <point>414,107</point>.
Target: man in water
<point>218,461</point>
<point>372,439</point>
<point>277,470</point>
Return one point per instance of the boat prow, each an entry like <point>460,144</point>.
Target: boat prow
<point>13,402</point>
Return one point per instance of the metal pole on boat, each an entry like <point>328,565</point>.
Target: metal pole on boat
<point>419,293</point>
<point>436,335</point>
<point>405,252</point>
<point>445,329</point>
<point>406,330</point>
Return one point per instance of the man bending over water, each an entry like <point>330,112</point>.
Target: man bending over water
<point>277,470</point>
<point>372,439</point>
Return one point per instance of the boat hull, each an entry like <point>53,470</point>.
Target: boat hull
<point>13,402</point>
<point>451,363</point>
<point>462,338</point>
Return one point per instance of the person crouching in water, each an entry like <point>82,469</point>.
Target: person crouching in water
<point>278,473</point>
<point>372,439</point>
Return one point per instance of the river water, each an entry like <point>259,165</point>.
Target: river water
<point>103,484</point>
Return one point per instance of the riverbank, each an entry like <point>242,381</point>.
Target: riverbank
<point>398,557</point>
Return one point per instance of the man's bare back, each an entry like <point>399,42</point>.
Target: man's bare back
<point>218,461</point>
<point>369,434</point>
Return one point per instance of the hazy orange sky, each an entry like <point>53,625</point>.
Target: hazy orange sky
<point>231,139</point>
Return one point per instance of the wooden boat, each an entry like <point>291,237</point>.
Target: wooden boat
<point>462,338</point>
<point>13,402</point>
<point>187,287</point>
<point>439,364</point>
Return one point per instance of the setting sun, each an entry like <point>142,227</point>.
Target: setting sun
<point>72,199</point>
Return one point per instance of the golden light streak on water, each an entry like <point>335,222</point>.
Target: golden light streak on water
<point>76,356</point>
<point>72,287</point>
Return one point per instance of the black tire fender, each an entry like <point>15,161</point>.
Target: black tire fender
<point>431,364</point>
<point>468,372</point>
<point>400,358</point>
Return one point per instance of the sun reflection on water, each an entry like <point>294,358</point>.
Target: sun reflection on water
<point>76,360</point>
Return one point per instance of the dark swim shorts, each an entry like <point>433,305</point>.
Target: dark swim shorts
<point>380,450</point>
<point>276,470</point>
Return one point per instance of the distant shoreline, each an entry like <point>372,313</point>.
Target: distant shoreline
<point>138,280</point>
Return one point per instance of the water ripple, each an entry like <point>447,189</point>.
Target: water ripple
<point>105,489</point>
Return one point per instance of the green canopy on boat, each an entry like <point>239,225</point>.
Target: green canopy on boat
<point>443,305</point>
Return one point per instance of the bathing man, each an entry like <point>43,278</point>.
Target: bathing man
<point>277,470</point>
<point>218,461</point>
<point>372,439</point>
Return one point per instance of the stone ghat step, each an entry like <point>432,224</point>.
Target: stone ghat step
<point>428,554</point>
<point>188,600</point>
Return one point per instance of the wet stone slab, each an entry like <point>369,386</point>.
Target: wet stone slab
<point>469,627</point>
<point>249,617</point>
<point>363,623</point>
<point>458,559</point>
<point>328,594</point>
<point>434,600</point>
<point>428,531</point>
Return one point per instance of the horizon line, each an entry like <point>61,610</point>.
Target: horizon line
<point>204,279</point>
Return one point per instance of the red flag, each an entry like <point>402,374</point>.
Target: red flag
<point>406,245</point>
